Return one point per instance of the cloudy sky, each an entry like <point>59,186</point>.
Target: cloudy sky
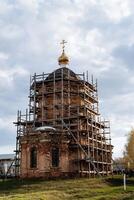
<point>100,35</point>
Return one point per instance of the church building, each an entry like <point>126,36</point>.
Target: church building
<point>62,134</point>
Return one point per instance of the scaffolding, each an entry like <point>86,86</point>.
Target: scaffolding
<point>69,102</point>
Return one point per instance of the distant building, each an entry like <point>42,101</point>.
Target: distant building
<point>62,133</point>
<point>5,164</point>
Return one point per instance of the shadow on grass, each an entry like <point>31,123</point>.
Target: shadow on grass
<point>20,186</point>
<point>11,184</point>
<point>117,181</point>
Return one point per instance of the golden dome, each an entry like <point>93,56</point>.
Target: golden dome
<point>63,59</point>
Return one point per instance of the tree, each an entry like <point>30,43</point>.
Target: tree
<point>118,165</point>
<point>129,151</point>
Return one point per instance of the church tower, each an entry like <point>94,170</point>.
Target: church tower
<point>61,134</point>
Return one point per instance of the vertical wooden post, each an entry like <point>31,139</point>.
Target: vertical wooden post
<point>124,182</point>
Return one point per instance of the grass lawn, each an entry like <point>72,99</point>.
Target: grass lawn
<point>69,189</point>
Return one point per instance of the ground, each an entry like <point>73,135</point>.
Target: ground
<point>69,189</point>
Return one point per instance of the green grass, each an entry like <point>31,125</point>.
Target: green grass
<point>69,189</point>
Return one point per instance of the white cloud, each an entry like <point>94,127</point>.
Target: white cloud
<point>121,102</point>
<point>7,76</point>
<point>119,144</point>
<point>131,80</point>
<point>116,10</point>
<point>11,31</point>
<point>3,56</point>
<point>5,7</point>
<point>7,149</point>
<point>30,5</point>
<point>32,29</point>
<point>121,124</point>
<point>6,123</point>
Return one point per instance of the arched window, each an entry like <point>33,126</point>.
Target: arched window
<point>55,157</point>
<point>33,157</point>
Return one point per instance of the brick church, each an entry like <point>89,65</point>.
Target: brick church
<point>61,134</point>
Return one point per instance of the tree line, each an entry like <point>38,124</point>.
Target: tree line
<point>127,161</point>
<point>129,151</point>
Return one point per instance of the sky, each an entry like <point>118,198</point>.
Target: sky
<point>100,39</point>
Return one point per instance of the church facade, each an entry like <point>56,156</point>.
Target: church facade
<point>61,134</point>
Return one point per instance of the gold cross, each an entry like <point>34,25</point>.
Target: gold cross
<point>63,44</point>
